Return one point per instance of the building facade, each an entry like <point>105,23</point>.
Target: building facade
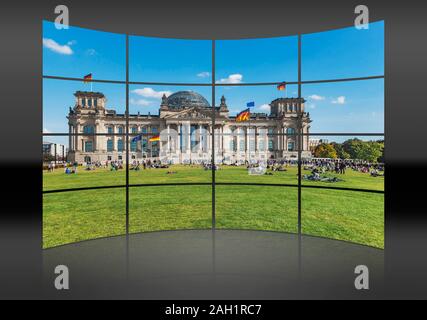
<point>185,127</point>
<point>54,150</point>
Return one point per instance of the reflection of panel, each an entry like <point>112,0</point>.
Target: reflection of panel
<point>82,215</point>
<point>170,208</point>
<point>343,53</point>
<point>257,208</point>
<point>345,215</point>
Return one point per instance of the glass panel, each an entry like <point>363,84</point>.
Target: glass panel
<point>170,60</point>
<point>170,208</point>
<point>77,52</point>
<point>343,53</point>
<point>257,60</point>
<point>257,208</point>
<point>344,162</point>
<point>173,133</point>
<point>81,215</point>
<point>63,98</point>
<point>345,107</point>
<point>259,142</point>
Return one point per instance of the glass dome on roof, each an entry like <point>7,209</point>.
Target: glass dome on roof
<point>187,99</point>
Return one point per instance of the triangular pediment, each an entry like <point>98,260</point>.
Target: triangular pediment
<point>190,113</point>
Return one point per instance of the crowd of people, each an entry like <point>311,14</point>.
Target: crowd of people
<point>316,166</point>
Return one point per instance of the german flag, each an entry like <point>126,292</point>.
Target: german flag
<point>243,115</point>
<point>87,78</point>
<point>155,138</point>
<point>281,86</point>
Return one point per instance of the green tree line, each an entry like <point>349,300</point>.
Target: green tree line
<point>372,151</point>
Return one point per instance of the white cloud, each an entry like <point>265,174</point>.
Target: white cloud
<point>203,74</point>
<point>232,78</point>
<point>140,102</point>
<point>264,107</point>
<point>151,93</point>
<point>339,100</point>
<point>316,97</point>
<point>56,47</point>
<point>46,130</point>
<point>311,106</point>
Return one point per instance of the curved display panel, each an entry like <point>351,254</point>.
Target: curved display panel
<point>170,134</point>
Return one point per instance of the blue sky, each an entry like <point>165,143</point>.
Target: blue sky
<point>347,107</point>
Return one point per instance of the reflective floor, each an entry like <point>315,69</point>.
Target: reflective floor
<point>225,264</point>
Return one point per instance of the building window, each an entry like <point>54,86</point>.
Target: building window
<point>88,129</point>
<point>133,146</point>
<point>120,145</point>
<point>89,102</point>
<point>291,146</point>
<point>144,144</point>
<point>270,145</point>
<point>144,130</point>
<point>110,129</point>
<point>109,158</point>
<point>88,146</point>
<point>109,145</point>
<point>134,130</point>
<point>261,145</point>
<point>95,102</point>
<point>120,157</point>
<point>232,145</point>
<point>154,129</point>
<point>242,145</point>
<point>120,130</point>
<point>290,131</point>
<point>84,102</point>
<point>251,145</point>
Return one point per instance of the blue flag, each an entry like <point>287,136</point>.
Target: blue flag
<point>137,138</point>
<point>250,104</point>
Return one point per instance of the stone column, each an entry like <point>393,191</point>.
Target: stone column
<point>200,137</point>
<point>188,137</point>
<point>69,136</point>
<point>76,137</point>
<point>114,138</point>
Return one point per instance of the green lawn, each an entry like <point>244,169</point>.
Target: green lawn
<point>80,215</point>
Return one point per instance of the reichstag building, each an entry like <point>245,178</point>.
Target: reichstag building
<point>182,131</point>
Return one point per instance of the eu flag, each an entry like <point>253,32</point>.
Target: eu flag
<point>250,104</point>
<point>137,138</point>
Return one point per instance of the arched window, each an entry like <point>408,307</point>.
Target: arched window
<point>261,145</point>
<point>291,146</point>
<point>120,130</point>
<point>84,102</point>
<point>120,145</point>
<point>109,145</point>
<point>88,146</point>
<point>270,145</point>
<point>89,102</point>
<point>133,146</point>
<point>110,129</point>
<point>88,129</point>
<point>290,131</point>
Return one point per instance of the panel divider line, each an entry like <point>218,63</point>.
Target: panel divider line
<point>213,138</point>
<point>127,135</point>
<point>299,140</point>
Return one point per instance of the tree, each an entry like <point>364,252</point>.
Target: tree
<point>370,151</point>
<point>325,150</point>
<point>341,153</point>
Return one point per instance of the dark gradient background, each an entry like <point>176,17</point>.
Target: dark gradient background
<point>21,118</point>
